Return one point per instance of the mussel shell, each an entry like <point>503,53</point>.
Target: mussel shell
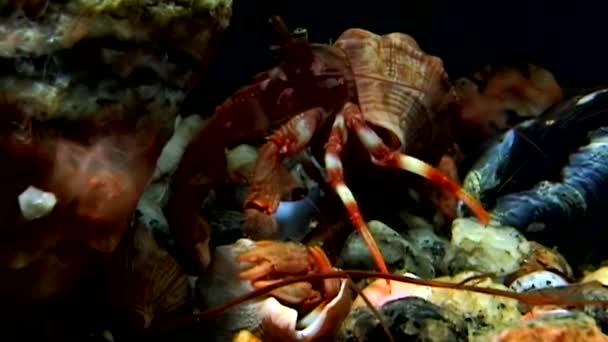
<point>549,174</point>
<point>584,184</point>
<point>548,211</point>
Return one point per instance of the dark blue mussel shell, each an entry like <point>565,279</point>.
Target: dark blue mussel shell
<point>549,172</point>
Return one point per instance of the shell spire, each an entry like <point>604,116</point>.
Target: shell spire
<point>396,82</point>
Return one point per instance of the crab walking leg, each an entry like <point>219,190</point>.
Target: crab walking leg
<point>335,178</point>
<point>330,286</point>
<point>382,155</point>
<point>264,195</point>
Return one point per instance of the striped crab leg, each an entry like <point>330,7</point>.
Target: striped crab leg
<point>382,155</point>
<point>263,198</point>
<point>335,178</point>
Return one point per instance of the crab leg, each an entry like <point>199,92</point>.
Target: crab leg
<point>382,155</point>
<point>330,286</point>
<point>264,195</point>
<point>335,178</point>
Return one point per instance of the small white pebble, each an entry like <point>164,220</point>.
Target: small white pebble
<point>35,203</point>
<point>537,280</point>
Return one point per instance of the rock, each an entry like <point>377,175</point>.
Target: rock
<point>504,253</point>
<point>550,327</point>
<point>537,280</point>
<point>121,57</point>
<point>481,312</point>
<point>408,319</point>
<point>226,226</point>
<point>220,284</point>
<point>432,246</point>
<point>97,85</point>
<point>599,292</point>
<point>35,203</point>
<point>400,255</point>
<point>154,199</point>
<point>487,249</point>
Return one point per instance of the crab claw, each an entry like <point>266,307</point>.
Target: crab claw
<point>245,265</point>
<point>281,322</point>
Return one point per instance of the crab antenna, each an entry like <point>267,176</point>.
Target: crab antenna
<point>564,296</point>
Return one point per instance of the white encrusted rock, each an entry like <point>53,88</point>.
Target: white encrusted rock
<point>35,203</point>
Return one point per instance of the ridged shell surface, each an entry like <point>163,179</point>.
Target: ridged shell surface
<point>399,87</point>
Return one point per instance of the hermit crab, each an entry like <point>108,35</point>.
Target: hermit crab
<point>385,89</point>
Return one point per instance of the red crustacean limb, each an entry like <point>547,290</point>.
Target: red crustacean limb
<point>247,115</point>
<point>335,177</point>
<point>384,156</point>
<point>203,166</point>
<point>330,286</point>
<point>263,198</point>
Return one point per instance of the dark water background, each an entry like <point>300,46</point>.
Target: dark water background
<point>567,37</point>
